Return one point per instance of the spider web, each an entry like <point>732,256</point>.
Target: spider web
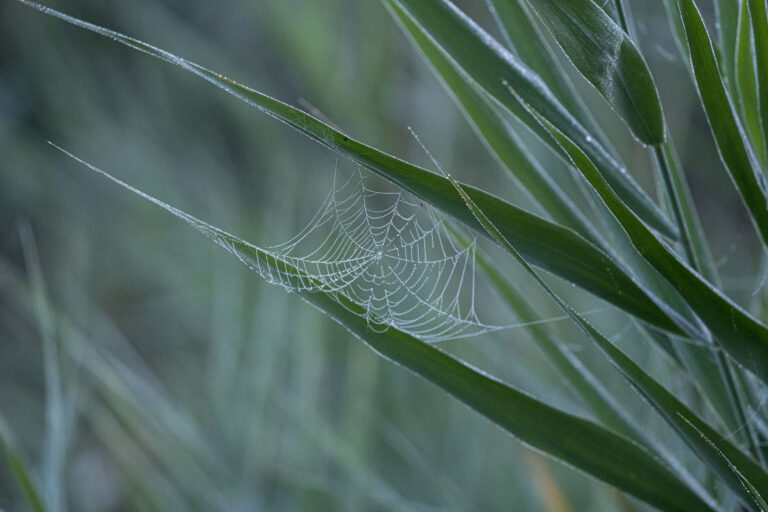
<point>389,254</point>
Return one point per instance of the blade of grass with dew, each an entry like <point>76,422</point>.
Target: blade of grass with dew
<point>745,88</point>
<point>668,406</point>
<point>583,384</point>
<point>489,64</point>
<point>725,329</point>
<point>732,142</point>
<point>744,337</point>
<point>497,134</point>
<point>578,442</point>
<point>608,59</point>
<point>758,11</point>
<point>550,246</point>
<point>754,493</point>
<point>25,480</point>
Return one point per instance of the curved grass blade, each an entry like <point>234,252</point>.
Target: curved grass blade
<point>548,245</point>
<point>573,440</point>
<point>743,337</point>
<point>758,11</point>
<point>608,59</point>
<point>670,408</point>
<point>494,131</point>
<point>754,493</point>
<point>732,142</point>
<point>726,23</point>
<point>489,64</point>
<point>746,82</point>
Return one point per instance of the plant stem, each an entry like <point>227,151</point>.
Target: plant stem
<point>674,199</point>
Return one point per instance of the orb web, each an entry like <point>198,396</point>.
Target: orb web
<point>389,254</point>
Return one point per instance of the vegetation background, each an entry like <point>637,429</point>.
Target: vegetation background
<point>187,383</point>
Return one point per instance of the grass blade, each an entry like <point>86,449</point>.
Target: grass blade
<point>732,142</point>
<point>606,56</point>
<point>746,82</point>
<point>758,11</point>
<point>548,245</point>
<point>743,337</point>
<point>726,23</point>
<point>581,443</point>
<point>490,65</point>
<point>754,493</point>
<point>494,131</point>
<point>670,408</point>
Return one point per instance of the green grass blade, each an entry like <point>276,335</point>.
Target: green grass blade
<point>548,245</point>
<point>578,442</point>
<point>758,11</point>
<point>670,408</point>
<point>732,142</point>
<point>494,131</point>
<point>743,337</point>
<point>746,82</point>
<point>751,489</point>
<point>608,59</point>
<point>525,39</point>
<point>490,65</point>
<point>726,23</point>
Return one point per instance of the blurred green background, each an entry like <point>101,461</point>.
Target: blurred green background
<point>187,383</point>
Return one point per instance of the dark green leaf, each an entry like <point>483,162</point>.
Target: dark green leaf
<point>609,60</point>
